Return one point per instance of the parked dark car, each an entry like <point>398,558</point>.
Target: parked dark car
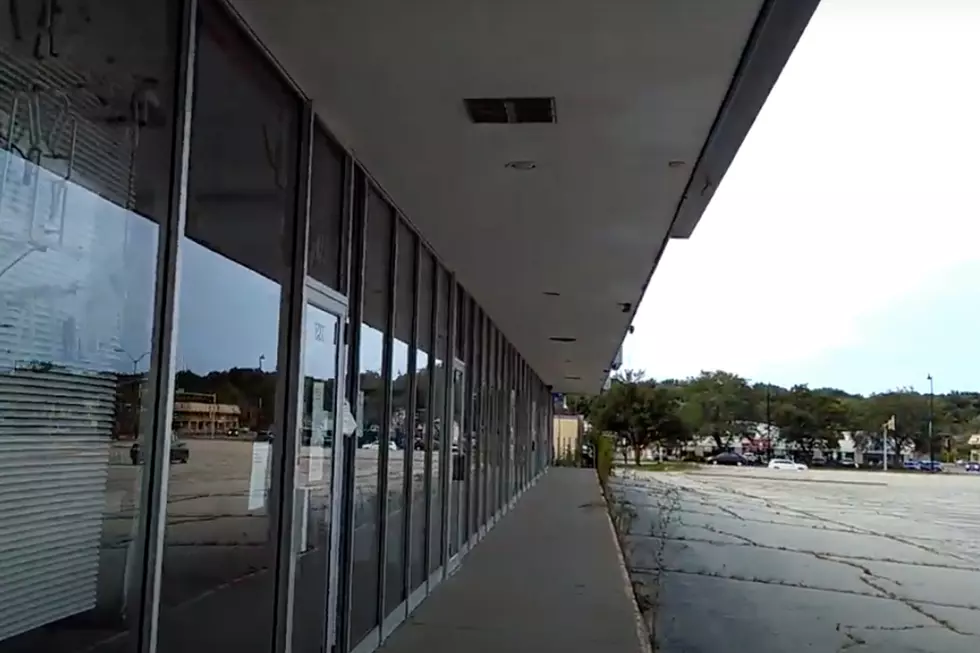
<point>179,452</point>
<point>732,459</point>
<point>973,467</point>
<point>930,466</point>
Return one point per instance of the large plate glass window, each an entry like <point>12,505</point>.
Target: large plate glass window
<point>370,411</point>
<point>477,418</point>
<point>86,132</point>
<point>459,434</point>
<point>422,445</point>
<point>400,422</point>
<point>318,479</point>
<point>222,502</point>
<point>440,440</point>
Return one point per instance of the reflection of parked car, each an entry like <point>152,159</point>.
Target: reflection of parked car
<point>930,466</point>
<point>732,459</point>
<point>911,465</point>
<point>783,463</point>
<point>973,467</point>
<point>179,452</point>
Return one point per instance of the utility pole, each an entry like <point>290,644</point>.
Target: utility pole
<point>932,458</point>
<point>769,418</point>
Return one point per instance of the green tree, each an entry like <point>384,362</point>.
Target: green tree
<point>639,414</point>
<point>812,420</point>
<point>720,405</point>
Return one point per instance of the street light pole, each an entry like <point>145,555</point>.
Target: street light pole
<point>769,418</point>
<point>932,458</point>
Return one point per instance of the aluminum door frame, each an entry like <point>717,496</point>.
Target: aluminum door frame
<point>328,300</point>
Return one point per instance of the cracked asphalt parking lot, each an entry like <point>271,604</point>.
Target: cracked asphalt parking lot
<point>752,559</point>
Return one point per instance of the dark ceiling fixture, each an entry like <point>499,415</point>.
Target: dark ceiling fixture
<point>551,293</point>
<point>521,165</point>
<point>562,339</point>
<point>626,306</point>
<point>573,378</point>
<point>511,110</point>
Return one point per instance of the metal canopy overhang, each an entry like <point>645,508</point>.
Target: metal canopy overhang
<point>653,100</point>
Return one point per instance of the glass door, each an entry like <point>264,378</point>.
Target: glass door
<point>319,471</point>
<point>458,477</point>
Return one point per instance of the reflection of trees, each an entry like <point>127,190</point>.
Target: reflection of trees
<point>251,389</point>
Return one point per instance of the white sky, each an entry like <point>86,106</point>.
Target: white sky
<point>855,190</point>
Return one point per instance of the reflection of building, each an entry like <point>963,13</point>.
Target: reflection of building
<point>567,436</point>
<point>974,443</point>
<point>200,418</point>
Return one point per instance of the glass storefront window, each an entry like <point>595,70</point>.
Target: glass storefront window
<point>218,582</point>
<point>478,373</point>
<point>440,440</point>
<point>492,410</point>
<point>459,427</point>
<point>322,343</point>
<point>85,157</point>
<point>422,445</point>
<point>400,422</point>
<point>372,432</point>
<point>326,212</point>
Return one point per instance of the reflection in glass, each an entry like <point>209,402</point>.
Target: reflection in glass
<point>218,582</point>
<point>476,386</point>
<point>372,434</point>
<point>82,199</point>
<point>511,425</point>
<point>400,422</point>
<point>469,421</point>
<point>314,476</point>
<point>493,409</point>
<point>326,212</point>
<point>421,448</point>
<point>457,479</point>
<point>437,535</point>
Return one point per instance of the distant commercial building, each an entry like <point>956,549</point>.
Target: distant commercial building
<point>198,418</point>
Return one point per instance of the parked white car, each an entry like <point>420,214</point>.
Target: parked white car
<point>783,463</point>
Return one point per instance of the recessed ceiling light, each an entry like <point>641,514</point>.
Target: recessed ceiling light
<point>551,293</point>
<point>562,339</point>
<point>521,165</point>
<point>573,378</point>
<point>675,164</point>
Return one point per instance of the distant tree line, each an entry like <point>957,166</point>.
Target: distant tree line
<point>727,408</point>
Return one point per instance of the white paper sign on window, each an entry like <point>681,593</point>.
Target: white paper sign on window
<point>257,481</point>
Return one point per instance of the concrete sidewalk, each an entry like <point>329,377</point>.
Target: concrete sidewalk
<point>548,577</point>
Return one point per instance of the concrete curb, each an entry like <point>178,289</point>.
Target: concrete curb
<point>643,634</point>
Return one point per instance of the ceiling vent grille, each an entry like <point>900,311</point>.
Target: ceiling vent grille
<point>511,110</point>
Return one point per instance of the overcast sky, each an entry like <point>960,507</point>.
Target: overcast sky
<point>842,246</point>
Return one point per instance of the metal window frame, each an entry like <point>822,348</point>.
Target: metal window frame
<point>446,454</point>
<point>356,262</point>
<point>429,412</point>
<point>442,277</point>
<point>150,537</point>
<point>384,453</point>
<point>413,386</point>
<point>469,415</point>
<point>393,619</point>
<point>291,307</point>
